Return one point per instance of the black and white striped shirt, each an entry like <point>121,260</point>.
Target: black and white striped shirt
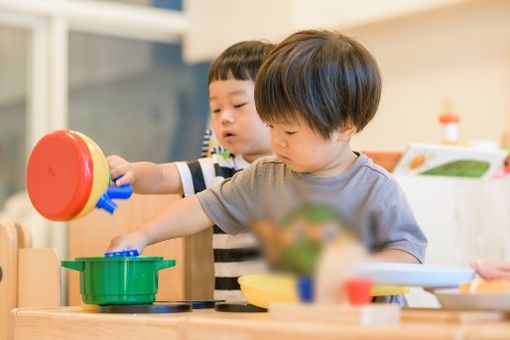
<point>233,255</point>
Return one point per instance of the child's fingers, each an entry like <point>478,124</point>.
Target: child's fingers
<point>115,244</point>
<point>118,172</point>
<point>485,272</point>
<point>504,266</point>
<point>124,172</point>
<point>480,268</point>
<point>127,178</point>
<point>495,273</point>
<point>135,240</point>
<point>490,272</point>
<point>114,161</point>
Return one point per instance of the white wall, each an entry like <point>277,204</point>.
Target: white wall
<point>430,52</point>
<point>459,55</point>
<point>348,13</point>
<point>220,23</point>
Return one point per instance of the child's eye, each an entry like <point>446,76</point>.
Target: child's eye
<point>290,133</point>
<point>240,105</point>
<point>215,110</point>
<point>269,126</point>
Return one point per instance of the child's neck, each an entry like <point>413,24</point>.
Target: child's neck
<point>339,165</point>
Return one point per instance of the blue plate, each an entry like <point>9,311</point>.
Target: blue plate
<point>415,275</point>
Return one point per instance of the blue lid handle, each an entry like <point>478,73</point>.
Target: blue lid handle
<point>106,203</point>
<point>123,192</point>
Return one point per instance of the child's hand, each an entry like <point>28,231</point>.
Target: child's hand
<point>133,240</point>
<point>492,270</point>
<point>121,169</point>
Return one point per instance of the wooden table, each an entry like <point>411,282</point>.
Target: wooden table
<point>72,323</point>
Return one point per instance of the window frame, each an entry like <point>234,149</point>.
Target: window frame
<point>49,24</point>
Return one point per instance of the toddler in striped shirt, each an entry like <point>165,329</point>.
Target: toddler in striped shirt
<point>243,138</point>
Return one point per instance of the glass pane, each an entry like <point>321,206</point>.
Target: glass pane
<point>137,99</point>
<point>13,107</point>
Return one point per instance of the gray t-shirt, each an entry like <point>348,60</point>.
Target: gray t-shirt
<point>368,198</point>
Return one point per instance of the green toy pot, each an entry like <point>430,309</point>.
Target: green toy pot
<point>118,280</point>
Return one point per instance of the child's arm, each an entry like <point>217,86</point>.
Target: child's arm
<point>182,218</point>
<point>146,177</point>
<point>398,237</point>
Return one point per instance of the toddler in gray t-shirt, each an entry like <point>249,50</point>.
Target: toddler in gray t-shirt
<point>315,90</point>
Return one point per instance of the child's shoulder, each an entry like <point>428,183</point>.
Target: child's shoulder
<point>376,169</point>
<point>375,172</point>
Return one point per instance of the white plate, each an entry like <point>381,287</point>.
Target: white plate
<point>452,299</point>
<point>415,275</point>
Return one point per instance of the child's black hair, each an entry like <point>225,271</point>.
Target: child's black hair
<point>322,77</point>
<point>241,61</point>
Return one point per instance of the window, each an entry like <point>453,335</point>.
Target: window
<point>13,109</point>
<point>136,98</point>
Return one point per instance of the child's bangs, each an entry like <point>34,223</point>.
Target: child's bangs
<point>281,118</point>
<point>280,97</point>
<point>274,107</point>
<point>227,72</point>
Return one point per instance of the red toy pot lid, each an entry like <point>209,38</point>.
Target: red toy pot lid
<point>60,175</point>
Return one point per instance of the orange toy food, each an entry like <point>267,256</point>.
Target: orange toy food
<point>417,162</point>
<point>485,286</point>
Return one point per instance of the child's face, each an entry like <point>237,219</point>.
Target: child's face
<point>235,121</point>
<point>304,150</point>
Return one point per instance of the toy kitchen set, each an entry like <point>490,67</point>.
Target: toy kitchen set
<point>124,294</point>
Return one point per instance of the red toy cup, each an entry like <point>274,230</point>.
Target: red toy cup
<point>358,291</point>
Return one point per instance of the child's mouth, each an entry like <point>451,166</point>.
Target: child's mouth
<point>228,135</point>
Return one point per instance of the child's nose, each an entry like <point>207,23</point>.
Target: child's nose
<point>278,140</point>
<point>227,116</point>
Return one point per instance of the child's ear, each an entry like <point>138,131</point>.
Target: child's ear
<point>346,132</point>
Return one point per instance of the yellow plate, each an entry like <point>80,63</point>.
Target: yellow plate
<point>263,289</point>
<point>389,290</point>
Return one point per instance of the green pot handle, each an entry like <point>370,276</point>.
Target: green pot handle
<point>163,264</point>
<point>75,265</point>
